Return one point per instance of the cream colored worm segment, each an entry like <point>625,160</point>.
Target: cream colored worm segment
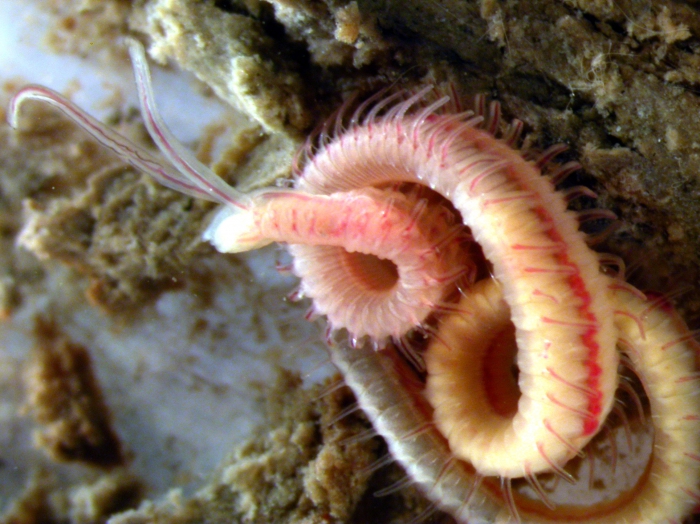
<point>664,355</point>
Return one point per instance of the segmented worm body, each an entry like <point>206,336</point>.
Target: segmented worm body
<point>657,346</point>
<point>665,355</point>
<point>380,224</point>
<point>375,262</point>
<point>550,277</point>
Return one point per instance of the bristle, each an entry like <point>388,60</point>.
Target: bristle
<point>619,412</point>
<point>513,135</point>
<point>394,487</point>
<point>572,193</point>
<point>614,265</point>
<point>330,389</point>
<point>507,490</point>
<point>549,154</point>
<point>631,392</point>
<point>562,172</point>
<point>377,464</point>
<point>354,408</point>
<point>537,488</point>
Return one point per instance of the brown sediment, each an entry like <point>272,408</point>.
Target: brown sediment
<point>304,467</point>
<point>131,239</point>
<point>66,401</point>
<point>46,500</point>
<point>71,208</point>
<point>88,27</point>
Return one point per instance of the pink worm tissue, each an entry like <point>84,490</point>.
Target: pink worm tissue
<point>381,256</point>
<point>549,276</point>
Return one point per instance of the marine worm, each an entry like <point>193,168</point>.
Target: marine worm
<point>375,262</point>
<point>550,277</point>
<point>396,259</point>
<point>658,348</point>
<point>666,357</point>
<point>355,217</point>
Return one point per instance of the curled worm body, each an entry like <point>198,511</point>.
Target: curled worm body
<point>380,263</point>
<point>550,277</point>
<point>375,262</point>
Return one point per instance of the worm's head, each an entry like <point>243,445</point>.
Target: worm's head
<point>235,230</point>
